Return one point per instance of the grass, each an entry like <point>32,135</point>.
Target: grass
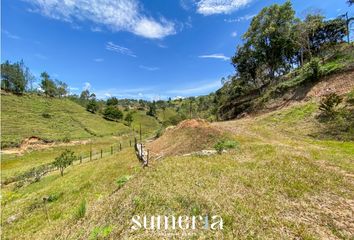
<point>149,125</point>
<point>74,194</point>
<point>279,183</point>
<point>50,119</point>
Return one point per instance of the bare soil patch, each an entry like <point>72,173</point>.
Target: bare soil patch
<point>188,136</point>
<point>36,143</point>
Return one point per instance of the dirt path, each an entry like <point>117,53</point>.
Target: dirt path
<point>35,143</point>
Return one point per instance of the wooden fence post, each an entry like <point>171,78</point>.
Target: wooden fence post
<point>90,155</point>
<point>111,150</point>
<point>101,153</point>
<point>120,146</point>
<point>130,142</point>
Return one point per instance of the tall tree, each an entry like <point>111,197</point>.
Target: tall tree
<point>62,88</point>
<point>113,101</point>
<point>272,37</point>
<point>48,85</point>
<point>13,77</point>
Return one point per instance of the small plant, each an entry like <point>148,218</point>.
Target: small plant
<point>66,139</point>
<point>313,70</point>
<point>350,97</point>
<point>122,180</point>
<point>46,115</point>
<point>81,210</point>
<point>329,104</point>
<point>129,118</point>
<point>65,159</point>
<point>223,145</point>
<point>100,232</point>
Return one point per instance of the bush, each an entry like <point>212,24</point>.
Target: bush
<point>46,115</point>
<point>313,70</point>
<point>81,210</point>
<point>112,113</point>
<point>129,118</point>
<point>122,180</point>
<point>223,145</point>
<point>65,159</point>
<point>350,97</point>
<point>92,106</point>
<point>329,105</point>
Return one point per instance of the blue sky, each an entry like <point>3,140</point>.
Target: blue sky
<point>134,48</point>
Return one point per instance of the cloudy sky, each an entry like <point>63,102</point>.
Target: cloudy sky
<point>135,48</point>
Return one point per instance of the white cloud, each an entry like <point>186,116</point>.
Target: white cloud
<point>98,59</point>
<point>87,86</point>
<point>122,15</point>
<point>96,29</point>
<point>210,7</point>
<point>149,68</point>
<point>216,56</point>
<point>10,35</point>
<point>201,88</point>
<point>234,34</point>
<point>119,49</point>
<point>240,19</point>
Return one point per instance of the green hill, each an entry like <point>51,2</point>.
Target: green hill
<point>276,175</point>
<point>53,119</point>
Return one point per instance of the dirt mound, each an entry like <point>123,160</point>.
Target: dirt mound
<point>188,136</point>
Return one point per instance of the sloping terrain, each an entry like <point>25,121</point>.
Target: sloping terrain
<point>188,136</point>
<point>280,184</point>
<point>50,119</point>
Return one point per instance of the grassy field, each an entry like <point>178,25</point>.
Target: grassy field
<point>50,119</point>
<point>280,183</point>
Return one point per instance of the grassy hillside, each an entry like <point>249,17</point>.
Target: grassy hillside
<point>50,119</point>
<point>280,183</point>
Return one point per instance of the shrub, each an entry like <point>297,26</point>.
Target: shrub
<point>65,159</point>
<point>129,118</point>
<point>81,210</point>
<point>112,113</point>
<point>313,70</point>
<point>100,232</point>
<point>46,115</point>
<point>160,132</point>
<point>223,145</point>
<point>66,139</point>
<point>92,106</point>
<point>350,98</point>
<point>122,180</point>
<point>329,105</point>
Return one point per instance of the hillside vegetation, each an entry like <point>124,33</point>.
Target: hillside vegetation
<point>280,183</point>
<point>55,119</point>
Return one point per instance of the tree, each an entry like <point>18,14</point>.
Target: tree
<point>62,88</point>
<point>152,109</point>
<point>113,101</point>
<point>272,37</point>
<point>85,95</point>
<point>112,113</point>
<point>13,77</point>
<point>329,104</point>
<point>350,2</point>
<point>65,159</point>
<point>92,106</point>
<point>48,85</point>
<point>129,118</point>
